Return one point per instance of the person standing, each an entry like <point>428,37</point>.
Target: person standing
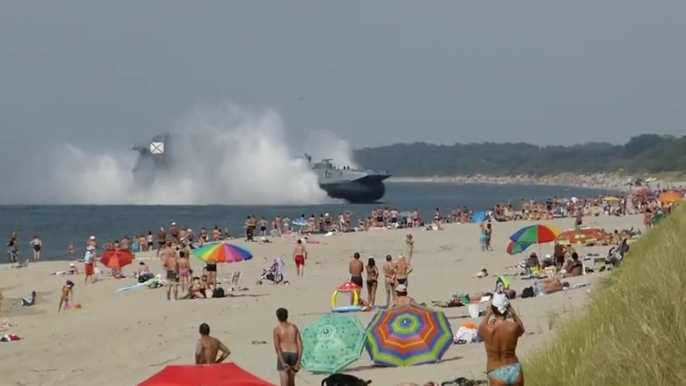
<point>409,242</point>
<point>299,256</point>
<point>208,347</point>
<point>500,339</point>
<point>389,280</point>
<point>171,267</point>
<point>289,348</point>
<point>372,281</point>
<point>356,268</point>
<point>36,245</point>
<point>13,247</point>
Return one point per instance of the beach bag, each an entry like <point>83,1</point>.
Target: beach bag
<point>528,292</point>
<point>218,293</point>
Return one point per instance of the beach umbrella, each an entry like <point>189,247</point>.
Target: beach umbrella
<point>581,236</point>
<point>480,216</point>
<point>407,336</point>
<point>670,197</point>
<point>222,252</point>
<point>535,234</point>
<point>611,198</point>
<point>116,258</point>
<point>515,248</point>
<point>331,343</point>
<point>220,374</point>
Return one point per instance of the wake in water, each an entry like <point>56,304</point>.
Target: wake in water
<point>223,156</point>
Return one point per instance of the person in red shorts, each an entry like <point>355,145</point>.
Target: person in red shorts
<point>299,256</point>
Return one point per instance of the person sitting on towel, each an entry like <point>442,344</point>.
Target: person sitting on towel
<point>574,267</point>
<point>401,298</point>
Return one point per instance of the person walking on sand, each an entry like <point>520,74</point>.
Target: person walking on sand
<point>208,347</point>
<point>389,280</point>
<point>500,339</point>
<point>356,268</point>
<point>299,256</point>
<point>289,348</point>
<point>409,242</point>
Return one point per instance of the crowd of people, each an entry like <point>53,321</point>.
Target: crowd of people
<point>174,247</point>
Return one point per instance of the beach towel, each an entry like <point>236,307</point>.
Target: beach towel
<point>131,287</point>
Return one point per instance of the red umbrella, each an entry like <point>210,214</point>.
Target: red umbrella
<point>225,374</point>
<point>116,258</point>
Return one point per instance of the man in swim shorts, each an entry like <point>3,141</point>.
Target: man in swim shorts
<point>500,338</point>
<point>172,269</point>
<point>299,256</point>
<point>356,268</point>
<point>289,348</point>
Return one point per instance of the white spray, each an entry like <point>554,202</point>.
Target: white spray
<point>230,156</point>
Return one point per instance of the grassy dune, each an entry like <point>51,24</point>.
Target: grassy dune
<point>633,331</point>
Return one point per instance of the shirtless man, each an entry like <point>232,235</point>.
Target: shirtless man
<point>299,256</point>
<point>161,241</point>
<point>289,348</point>
<point>402,270</point>
<point>171,267</point>
<point>208,347</point>
<point>500,338</point>
<point>356,267</point>
<point>389,279</point>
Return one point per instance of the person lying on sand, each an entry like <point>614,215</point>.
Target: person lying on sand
<point>208,347</point>
<point>549,286</point>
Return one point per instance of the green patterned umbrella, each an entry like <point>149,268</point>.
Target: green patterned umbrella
<point>331,343</point>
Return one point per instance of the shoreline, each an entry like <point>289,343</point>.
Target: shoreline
<point>593,181</point>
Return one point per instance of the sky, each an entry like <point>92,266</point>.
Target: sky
<point>108,74</point>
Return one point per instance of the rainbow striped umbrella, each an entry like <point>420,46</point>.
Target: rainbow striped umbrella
<point>515,248</point>
<point>408,336</point>
<point>222,252</point>
<point>535,234</point>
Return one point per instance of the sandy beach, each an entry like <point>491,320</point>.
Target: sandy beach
<point>123,338</point>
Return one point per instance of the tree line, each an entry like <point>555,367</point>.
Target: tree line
<point>646,153</point>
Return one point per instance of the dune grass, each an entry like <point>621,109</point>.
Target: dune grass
<point>633,330</point>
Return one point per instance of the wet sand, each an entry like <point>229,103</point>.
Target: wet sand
<point>123,338</point>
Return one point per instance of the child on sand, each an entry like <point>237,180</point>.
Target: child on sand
<point>67,295</point>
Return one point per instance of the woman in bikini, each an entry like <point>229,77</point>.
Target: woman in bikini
<point>36,244</point>
<point>67,295</point>
<point>372,281</point>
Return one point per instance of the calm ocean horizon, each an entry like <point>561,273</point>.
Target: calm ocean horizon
<point>58,225</point>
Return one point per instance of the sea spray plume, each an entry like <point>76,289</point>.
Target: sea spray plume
<point>226,155</point>
<point>325,144</point>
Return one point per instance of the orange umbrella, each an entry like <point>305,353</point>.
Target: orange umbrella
<point>670,197</point>
<point>116,258</point>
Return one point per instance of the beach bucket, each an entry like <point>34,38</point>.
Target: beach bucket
<point>474,310</point>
